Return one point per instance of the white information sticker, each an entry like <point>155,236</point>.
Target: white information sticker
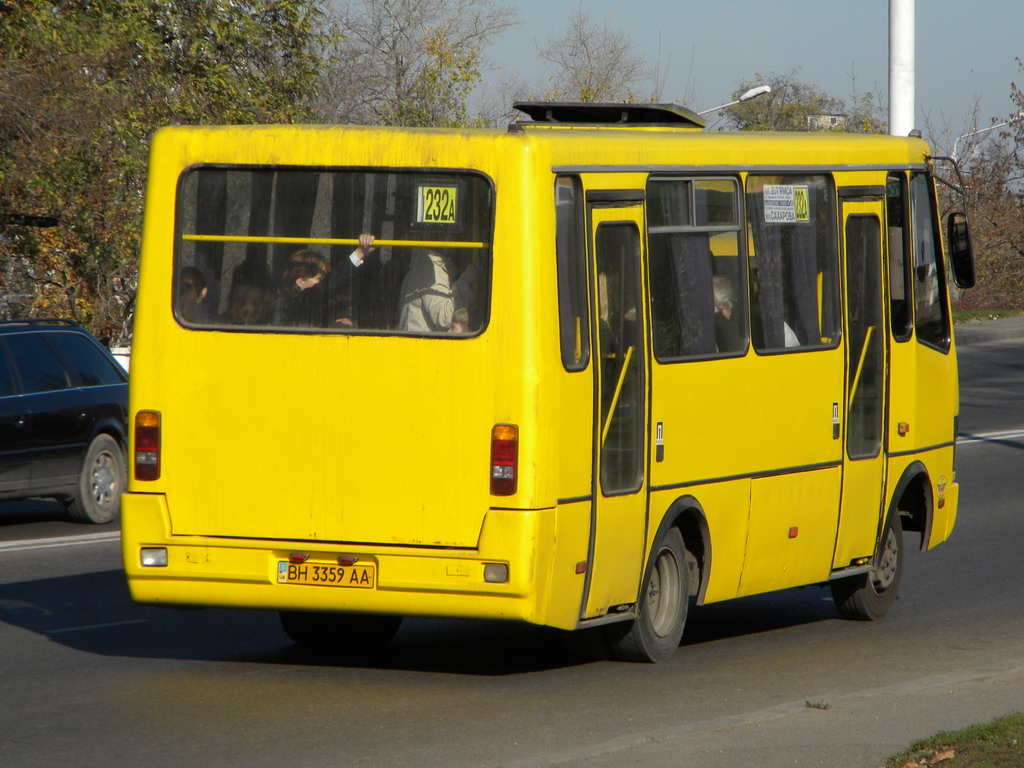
<point>786,204</point>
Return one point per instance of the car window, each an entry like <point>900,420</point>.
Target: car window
<point>85,359</point>
<point>37,364</point>
<point>6,374</point>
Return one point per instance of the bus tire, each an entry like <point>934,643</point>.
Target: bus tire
<point>869,596</point>
<point>657,630</point>
<point>100,483</point>
<point>342,633</point>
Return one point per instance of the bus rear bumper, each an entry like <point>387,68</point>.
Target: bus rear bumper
<point>407,581</point>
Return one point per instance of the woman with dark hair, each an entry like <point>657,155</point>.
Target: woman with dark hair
<point>302,297</point>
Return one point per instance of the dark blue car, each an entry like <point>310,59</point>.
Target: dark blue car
<point>63,418</point>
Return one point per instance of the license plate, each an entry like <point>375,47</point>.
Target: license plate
<point>362,576</point>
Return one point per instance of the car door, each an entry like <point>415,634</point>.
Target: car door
<point>102,385</point>
<point>15,431</point>
<point>59,425</point>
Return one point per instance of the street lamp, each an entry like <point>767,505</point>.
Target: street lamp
<point>753,93</point>
<point>1003,124</point>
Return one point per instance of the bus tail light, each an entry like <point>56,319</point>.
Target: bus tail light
<point>147,445</point>
<point>504,459</point>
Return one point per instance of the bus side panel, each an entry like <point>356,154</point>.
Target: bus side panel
<point>924,396</point>
<point>792,530</point>
<point>946,492</point>
<point>767,416</point>
<point>725,512</point>
<point>561,595</point>
<point>746,416</point>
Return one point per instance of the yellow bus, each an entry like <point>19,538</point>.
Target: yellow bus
<point>584,372</point>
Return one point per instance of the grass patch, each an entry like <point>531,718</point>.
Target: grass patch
<point>997,744</point>
<point>967,315</point>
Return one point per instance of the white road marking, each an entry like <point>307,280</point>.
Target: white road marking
<point>59,541</point>
<point>991,437</point>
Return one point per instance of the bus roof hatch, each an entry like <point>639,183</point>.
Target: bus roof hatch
<point>561,113</point>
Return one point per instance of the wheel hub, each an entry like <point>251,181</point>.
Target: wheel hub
<point>885,573</point>
<point>103,481</point>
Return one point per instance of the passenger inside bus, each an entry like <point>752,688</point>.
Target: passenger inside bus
<point>249,304</point>
<point>728,337</point>
<point>192,291</point>
<point>344,284</point>
<point>302,290</point>
<point>460,321</point>
<point>429,294</point>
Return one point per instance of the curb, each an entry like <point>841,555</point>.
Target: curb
<point>983,331</point>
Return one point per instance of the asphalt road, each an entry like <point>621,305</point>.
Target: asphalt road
<point>89,679</point>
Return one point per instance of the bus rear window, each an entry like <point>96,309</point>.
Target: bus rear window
<point>288,249</point>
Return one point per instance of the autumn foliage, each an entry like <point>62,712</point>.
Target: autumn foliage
<point>83,86</point>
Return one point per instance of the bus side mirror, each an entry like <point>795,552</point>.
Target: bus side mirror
<point>961,249</point>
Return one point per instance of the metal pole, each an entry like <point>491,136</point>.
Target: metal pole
<point>901,67</point>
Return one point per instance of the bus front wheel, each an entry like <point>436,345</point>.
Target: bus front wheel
<point>869,596</point>
<point>340,633</point>
<point>657,630</point>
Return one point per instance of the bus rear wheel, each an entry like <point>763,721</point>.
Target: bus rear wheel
<point>657,630</point>
<point>869,596</point>
<point>340,633</point>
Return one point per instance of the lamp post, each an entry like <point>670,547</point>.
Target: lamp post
<point>753,93</point>
<point>1003,124</point>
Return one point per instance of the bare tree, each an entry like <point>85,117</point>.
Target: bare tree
<point>593,61</point>
<point>408,62</point>
<point>992,160</point>
<point>494,108</point>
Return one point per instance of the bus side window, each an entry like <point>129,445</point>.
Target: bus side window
<point>697,289</point>
<point>793,262</point>
<point>896,204</point>
<point>573,322</point>
<point>931,315</point>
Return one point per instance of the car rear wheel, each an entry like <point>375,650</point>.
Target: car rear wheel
<point>100,483</point>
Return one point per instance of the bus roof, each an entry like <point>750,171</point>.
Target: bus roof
<point>580,146</point>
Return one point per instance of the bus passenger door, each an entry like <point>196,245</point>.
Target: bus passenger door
<point>864,461</point>
<point>619,516</point>
<point>923,399</point>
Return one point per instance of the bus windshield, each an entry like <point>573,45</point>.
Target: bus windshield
<point>280,249</point>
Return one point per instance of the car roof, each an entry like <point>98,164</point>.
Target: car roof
<point>46,323</point>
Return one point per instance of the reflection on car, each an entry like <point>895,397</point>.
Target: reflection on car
<point>63,418</point>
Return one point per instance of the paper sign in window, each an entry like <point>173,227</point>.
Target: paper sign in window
<point>786,204</point>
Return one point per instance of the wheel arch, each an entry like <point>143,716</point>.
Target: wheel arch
<point>686,514</point>
<point>112,427</point>
<point>913,498</point>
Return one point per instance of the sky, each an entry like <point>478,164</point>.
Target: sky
<point>965,49</point>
